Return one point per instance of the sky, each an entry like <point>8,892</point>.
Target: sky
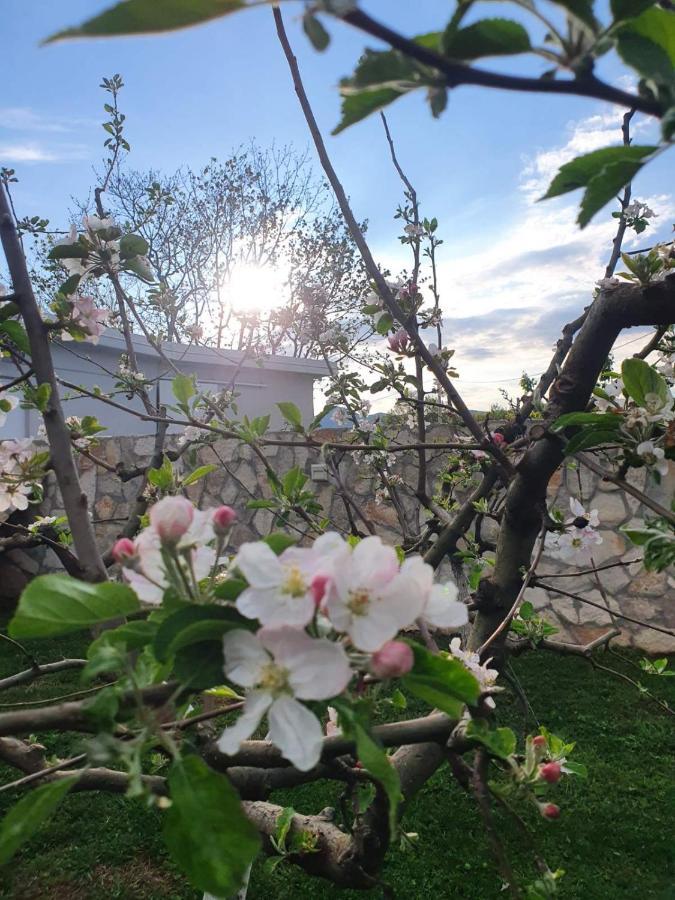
<point>512,271</point>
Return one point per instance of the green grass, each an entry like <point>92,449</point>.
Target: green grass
<point>615,838</point>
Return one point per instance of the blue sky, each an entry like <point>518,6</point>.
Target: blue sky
<point>507,263</point>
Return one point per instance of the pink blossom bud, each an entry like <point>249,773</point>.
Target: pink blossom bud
<point>539,741</point>
<point>223,517</point>
<point>392,660</point>
<point>498,438</point>
<point>398,342</point>
<point>550,810</point>
<point>171,518</point>
<point>123,551</point>
<point>550,772</point>
<point>318,588</point>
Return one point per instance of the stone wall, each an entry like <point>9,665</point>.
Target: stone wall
<point>240,476</point>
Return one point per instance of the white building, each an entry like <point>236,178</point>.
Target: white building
<point>260,384</point>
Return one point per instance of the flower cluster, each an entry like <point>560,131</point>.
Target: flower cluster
<point>18,479</point>
<point>575,544</point>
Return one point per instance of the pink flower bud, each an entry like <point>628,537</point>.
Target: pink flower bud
<point>550,810</point>
<point>398,342</point>
<point>123,551</point>
<point>318,588</point>
<point>223,517</point>
<point>171,518</point>
<point>539,741</point>
<point>550,772</point>
<point>392,660</point>
<point>498,438</point>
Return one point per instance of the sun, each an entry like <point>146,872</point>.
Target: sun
<point>254,288</point>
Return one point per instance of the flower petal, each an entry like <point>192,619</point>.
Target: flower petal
<point>318,668</point>
<point>296,732</point>
<point>244,657</point>
<point>274,608</point>
<point>443,610</point>
<point>259,565</point>
<point>257,704</point>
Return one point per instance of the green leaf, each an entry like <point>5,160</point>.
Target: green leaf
<point>69,286</point>
<point>68,251</point>
<point>25,817</point>
<point>590,437</point>
<point>133,245</point>
<point>200,666</point>
<point>163,476</point>
<point>315,31</point>
<point>641,379</point>
<point>131,636</point>
<point>361,104</point>
<point>645,56</point>
<point>441,681</point>
<point>581,10</point>
<point>292,414</point>
<point>657,25</point>
<point>607,420</point>
<point>488,37</point>
<point>230,589</point>
<point>579,172</point>
<point>205,829</point>
<point>578,769</point>
<point>604,187</point>
<point>280,541</point>
<point>200,472</point>
<point>16,333</point>
<point>148,16</point>
<point>183,387</point>
<point>526,610</point>
<point>500,742</point>
<point>196,624</point>
<point>384,324</point>
<point>629,9</point>
<point>58,604</point>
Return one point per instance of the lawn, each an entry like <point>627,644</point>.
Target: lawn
<point>615,839</point>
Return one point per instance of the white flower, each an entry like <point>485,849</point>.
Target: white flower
<point>286,589</point>
<point>14,495</point>
<point>8,402</point>
<point>443,609</point>
<point>414,230</point>
<point>658,409</point>
<point>89,318</point>
<point>665,366</point>
<point>370,598</point>
<point>190,433</point>
<point>576,545</point>
<point>653,457</point>
<point>41,522</point>
<point>94,223</point>
<point>578,512</point>
<point>486,676</point>
<point>281,667</point>
<point>149,578</point>
<point>613,389</point>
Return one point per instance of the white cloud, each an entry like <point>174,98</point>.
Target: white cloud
<point>34,152</point>
<point>23,118</point>
<point>506,302</point>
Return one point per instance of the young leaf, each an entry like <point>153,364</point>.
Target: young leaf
<point>16,333</point>
<point>641,379</point>
<point>578,172</point>
<point>58,604</point>
<point>133,245</point>
<point>501,742</point>
<point>657,25</point>
<point>607,420</point>
<point>200,472</point>
<point>590,437</point>
<point>488,37</point>
<point>195,624</point>
<point>360,104</point>
<point>604,186</point>
<point>215,855</point>
<point>183,387</point>
<point>148,16</point>
<point>25,817</point>
<point>315,31</point>
<point>629,9</point>
<point>292,414</point>
<point>441,681</point>
<point>279,541</point>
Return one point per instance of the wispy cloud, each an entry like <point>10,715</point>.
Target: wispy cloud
<point>507,301</point>
<point>35,152</point>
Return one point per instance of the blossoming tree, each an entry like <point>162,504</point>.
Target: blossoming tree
<point>291,636</point>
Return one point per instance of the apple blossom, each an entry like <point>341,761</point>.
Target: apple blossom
<point>95,223</point>
<point>414,230</point>
<point>485,676</point>
<point>89,318</point>
<point>591,519</point>
<point>549,810</point>
<point>393,659</point>
<point>653,457</point>
<point>370,598</point>
<point>171,517</point>
<point>551,772</point>
<point>282,589</point>
<point>280,667</point>
<point>614,390</point>
<point>539,741</point>
<point>123,551</point>
<point>149,577</point>
<point>576,545</point>
<point>223,517</point>
<point>398,342</point>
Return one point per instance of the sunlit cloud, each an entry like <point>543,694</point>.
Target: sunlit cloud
<point>35,152</point>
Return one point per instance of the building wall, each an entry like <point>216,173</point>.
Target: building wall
<point>260,385</point>
<point>628,589</point>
